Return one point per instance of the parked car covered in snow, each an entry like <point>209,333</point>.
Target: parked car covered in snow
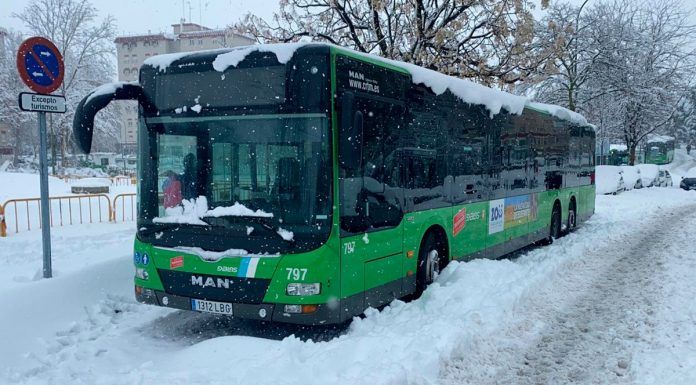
<point>631,177</point>
<point>665,179</point>
<point>688,182</point>
<point>649,174</point>
<point>609,180</point>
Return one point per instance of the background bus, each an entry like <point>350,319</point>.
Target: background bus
<point>618,155</point>
<point>658,149</point>
<point>329,181</point>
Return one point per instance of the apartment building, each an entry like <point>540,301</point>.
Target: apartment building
<point>131,51</point>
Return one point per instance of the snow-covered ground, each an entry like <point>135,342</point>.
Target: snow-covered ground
<point>575,310</point>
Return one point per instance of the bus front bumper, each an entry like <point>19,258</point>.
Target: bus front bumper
<point>323,314</point>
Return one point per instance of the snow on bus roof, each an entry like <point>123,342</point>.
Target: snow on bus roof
<point>106,89</point>
<point>654,138</point>
<point>468,91</point>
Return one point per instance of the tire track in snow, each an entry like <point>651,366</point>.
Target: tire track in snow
<point>582,326</point>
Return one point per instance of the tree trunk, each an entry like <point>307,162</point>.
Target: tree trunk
<point>632,154</point>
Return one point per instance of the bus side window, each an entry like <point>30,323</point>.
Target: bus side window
<point>369,200</point>
<point>424,156</point>
<point>467,149</point>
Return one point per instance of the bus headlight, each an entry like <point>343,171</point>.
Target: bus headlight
<point>141,273</point>
<point>302,289</point>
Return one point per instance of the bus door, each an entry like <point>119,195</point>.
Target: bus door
<point>371,209</point>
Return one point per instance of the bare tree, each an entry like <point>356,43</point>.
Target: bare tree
<point>644,63</point>
<point>488,40</point>
<point>86,43</point>
<point>10,86</point>
<point>564,31</point>
<point>626,65</point>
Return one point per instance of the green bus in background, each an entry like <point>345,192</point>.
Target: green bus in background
<point>658,149</point>
<point>618,155</point>
<point>306,183</point>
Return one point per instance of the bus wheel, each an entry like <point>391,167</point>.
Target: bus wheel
<point>430,257</point>
<point>555,230</point>
<point>572,216</point>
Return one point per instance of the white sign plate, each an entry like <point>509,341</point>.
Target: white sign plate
<point>41,103</point>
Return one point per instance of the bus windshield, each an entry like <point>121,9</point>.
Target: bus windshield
<point>265,169</point>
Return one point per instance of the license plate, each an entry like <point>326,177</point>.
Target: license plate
<point>211,306</point>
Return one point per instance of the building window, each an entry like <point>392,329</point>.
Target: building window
<point>146,43</point>
<point>191,42</point>
<point>155,43</point>
<point>200,41</point>
<point>126,71</point>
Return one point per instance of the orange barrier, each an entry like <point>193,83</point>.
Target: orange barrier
<point>3,225</point>
<point>126,200</point>
<point>70,210</point>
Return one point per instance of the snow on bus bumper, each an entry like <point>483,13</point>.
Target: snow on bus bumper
<point>314,314</point>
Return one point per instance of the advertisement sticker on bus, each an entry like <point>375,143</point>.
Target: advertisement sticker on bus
<point>176,262</point>
<point>459,221</point>
<point>496,216</point>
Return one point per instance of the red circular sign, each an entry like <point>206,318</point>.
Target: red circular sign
<point>40,65</point>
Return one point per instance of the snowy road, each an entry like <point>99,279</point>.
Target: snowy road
<point>591,320</point>
<point>610,303</point>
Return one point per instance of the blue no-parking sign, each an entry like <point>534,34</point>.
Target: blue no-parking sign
<point>41,68</point>
<point>40,65</point>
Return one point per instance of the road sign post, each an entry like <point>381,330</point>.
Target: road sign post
<point>43,180</point>
<point>40,66</point>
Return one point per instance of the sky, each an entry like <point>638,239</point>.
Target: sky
<point>139,16</point>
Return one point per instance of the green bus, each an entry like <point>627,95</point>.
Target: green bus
<point>618,155</point>
<point>306,183</point>
<point>658,149</point>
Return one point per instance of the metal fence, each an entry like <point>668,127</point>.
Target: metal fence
<point>24,214</point>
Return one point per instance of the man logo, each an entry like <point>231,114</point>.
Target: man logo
<point>220,283</point>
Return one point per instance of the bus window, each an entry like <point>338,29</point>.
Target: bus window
<point>177,166</point>
<point>466,157</point>
<point>369,200</point>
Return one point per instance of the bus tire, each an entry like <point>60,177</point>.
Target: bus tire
<point>432,258</point>
<point>572,215</point>
<point>555,228</point>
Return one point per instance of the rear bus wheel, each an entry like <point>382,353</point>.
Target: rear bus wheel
<point>555,230</point>
<point>572,217</point>
<point>431,255</point>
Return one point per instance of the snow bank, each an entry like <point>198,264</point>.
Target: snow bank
<point>618,147</point>
<point>648,173</point>
<point>608,179</point>
<point>92,182</point>
<point>85,171</point>
<point>14,185</point>
<point>631,174</point>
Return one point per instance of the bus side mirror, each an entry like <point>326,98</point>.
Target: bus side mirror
<point>351,134</point>
<point>83,122</point>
